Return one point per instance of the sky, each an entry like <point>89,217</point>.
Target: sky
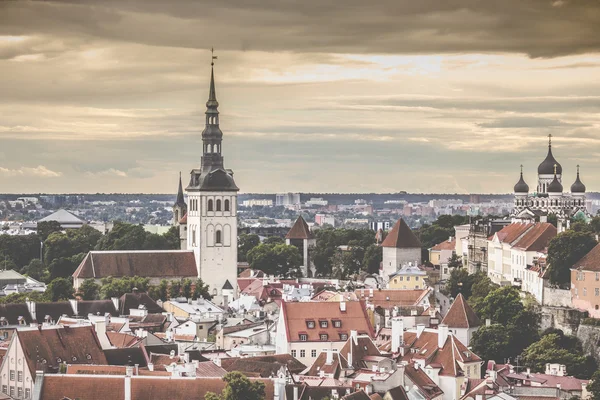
<point>315,96</point>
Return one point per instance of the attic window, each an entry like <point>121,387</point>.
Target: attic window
<point>324,337</point>
<point>310,324</point>
<point>74,359</point>
<point>343,336</point>
<point>323,324</point>
<point>303,337</point>
<point>337,323</point>
<point>58,360</point>
<point>88,356</point>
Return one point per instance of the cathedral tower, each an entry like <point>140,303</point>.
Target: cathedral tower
<point>212,210</point>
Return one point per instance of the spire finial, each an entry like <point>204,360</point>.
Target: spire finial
<point>555,169</point>
<point>549,140</point>
<point>577,169</point>
<point>213,57</point>
<point>521,169</point>
<point>212,95</point>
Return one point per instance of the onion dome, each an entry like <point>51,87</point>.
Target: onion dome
<point>521,186</point>
<point>547,166</point>
<point>555,186</point>
<point>578,186</point>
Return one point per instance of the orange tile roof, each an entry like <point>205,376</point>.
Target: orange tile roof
<point>83,387</point>
<point>461,315</point>
<point>445,245</point>
<point>401,237</point>
<point>591,261</point>
<point>182,388</point>
<point>300,230</point>
<point>537,238</point>
<point>122,340</point>
<point>296,315</point>
<point>426,386</point>
<point>387,298</point>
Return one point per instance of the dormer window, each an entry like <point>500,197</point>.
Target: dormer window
<point>3,321</point>
<point>343,336</point>
<point>21,320</point>
<point>303,337</point>
<point>324,337</point>
<point>337,323</point>
<point>310,324</point>
<point>323,324</point>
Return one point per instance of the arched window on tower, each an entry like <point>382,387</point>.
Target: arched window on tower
<point>226,205</point>
<point>210,205</point>
<point>218,238</point>
<point>218,204</point>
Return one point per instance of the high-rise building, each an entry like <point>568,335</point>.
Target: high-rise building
<point>212,210</point>
<point>287,199</point>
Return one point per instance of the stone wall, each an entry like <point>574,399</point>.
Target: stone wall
<point>590,339</point>
<point>565,319</point>
<point>557,297</point>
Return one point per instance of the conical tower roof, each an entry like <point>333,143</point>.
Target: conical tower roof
<point>461,315</point>
<point>180,201</point>
<point>401,237</point>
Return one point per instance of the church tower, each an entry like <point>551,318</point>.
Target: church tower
<point>179,208</point>
<point>212,210</point>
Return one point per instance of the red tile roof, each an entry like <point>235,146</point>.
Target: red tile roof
<point>209,369</point>
<point>536,238</point>
<point>78,345</point>
<point>274,363</point>
<point>512,232</point>
<point>401,237</point>
<point>445,245</point>
<point>164,263</point>
<point>461,315</point>
<point>83,387</point>
<point>591,261</point>
<point>300,230</point>
<point>387,298</point>
<point>296,315</point>
<point>122,340</point>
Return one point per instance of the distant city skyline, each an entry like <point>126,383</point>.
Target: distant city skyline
<point>419,97</point>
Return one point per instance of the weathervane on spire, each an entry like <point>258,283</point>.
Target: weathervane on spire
<point>549,139</point>
<point>213,57</point>
<point>521,169</point>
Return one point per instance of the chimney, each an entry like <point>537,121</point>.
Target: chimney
<point>295,392</point>
<point>100,327</point>
<point>150,367</point>
<point>329,360</point>
<point>342,306</point>
<point>354,336</point>
<point>488,322</point>
<point>397,334</point>
<point>420,329</point>
<point>74,306</point>
<point>127,387</point>
<point>450,239</point>
<point>137,369</point>
<point>350,358</point>
<point>128,370</point>
<point>217,361</point>
<point>115,301</point>
<point>442,335</point>
<point>31,307</point>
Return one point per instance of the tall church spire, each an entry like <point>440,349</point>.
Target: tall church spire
<point>180,200</point>
<point>212,135</point>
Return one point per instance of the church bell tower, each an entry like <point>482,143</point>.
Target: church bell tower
<point>212,209</point>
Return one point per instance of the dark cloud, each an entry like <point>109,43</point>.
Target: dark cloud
<point>539,28</point>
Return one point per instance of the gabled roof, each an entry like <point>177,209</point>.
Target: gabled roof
<point>227,285</point>
<point>96,307</point>
<point>536,238</point>
<point>126,356</point>
<point>63,217</point>
<point>55,310</point>
<point>143,263</point>
<point>423,382</point>
<point>401,237</point>
<point>360,348</point>
<point>13,311</point>
<point>122,340</point>
<point>397,393</point>
<point>461,315</point>
<point>591,261</point>
<point>297,314</point>
<point>47,348</point>
<point>300,230</point>
<point>512,232</point>
<point>134,300</point>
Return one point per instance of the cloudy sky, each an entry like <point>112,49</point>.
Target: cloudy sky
<point>316,95</point>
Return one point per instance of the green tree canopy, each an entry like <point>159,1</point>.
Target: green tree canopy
<point>555,348</point>
<point>246,242</point>
<point>45,228</point>
<point>238,387</point>
<point>502,305</point>
<point>492,343</point>
<point>60,289</point>
<point>89,289</point>
<point>276,259</point>
<point>126,236</point>
<point>594,386</point>
<point>564,251</point>
<point>116,287</point>
<point>328,242</point>
<point>373,258</point>
<point>201,290</point>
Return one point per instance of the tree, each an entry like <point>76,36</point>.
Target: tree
<point>276,259</point>
<point>89,289</point>
<point>246,242</point>
<point>237,387</point>
<point>63,267</point>
<point>175,290</point>
<point>201,290</point>
<point>563,253</point>
<point>60,289</point>
<point>45,228</point>
<point>594,386</point>
<point>186,288</point>
<point>159,292</point>
<point>502,305</point>
<point>551,349</point>
<point>492,343</point>
<point>117,287</point>
<point>172,239</point>
<point>274,240</point>
<point>459,282</point>
<point>372,259</point>
<point>35,270</point>
<point>455,261</point>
